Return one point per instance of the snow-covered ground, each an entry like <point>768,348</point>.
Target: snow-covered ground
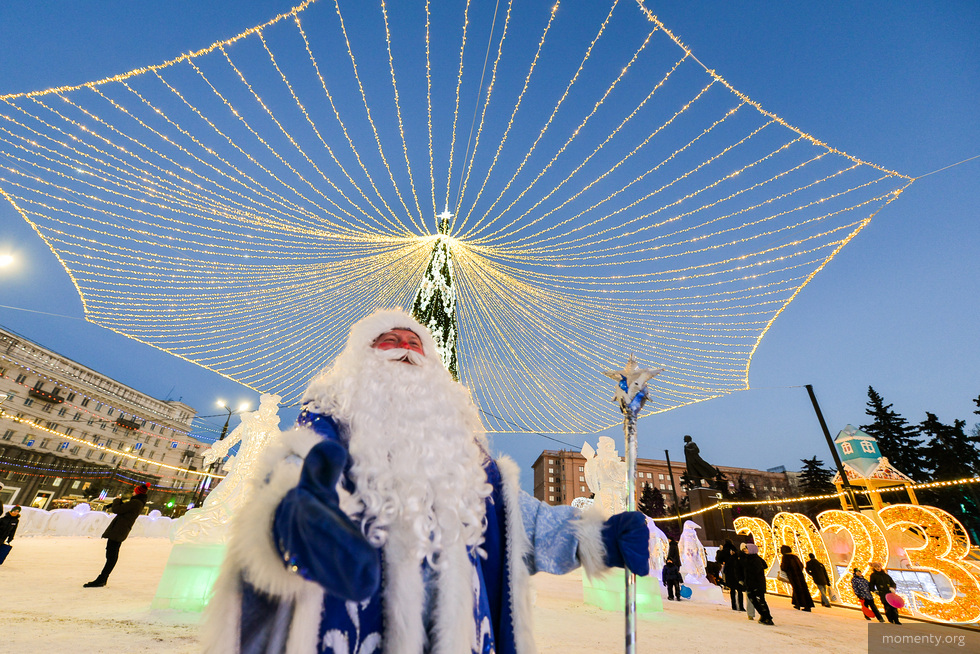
<point>45,609</point>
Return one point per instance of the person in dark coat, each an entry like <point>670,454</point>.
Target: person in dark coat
<point>793,567</point>
<point>882,583</point>
<point>754,580</point>
<point>818,573</point>
<point>731,572</point>
<point>8,524</point>
<point>118,530</point>
<point>671,576</point>
<point>862,589</point>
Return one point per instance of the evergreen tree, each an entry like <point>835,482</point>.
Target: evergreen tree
<point>687,483</point>
<point>949,453</point>
<point>721,484</point>
<point>744,493</point>
<point>815,479</point>
<point>435,302</point>
<point>652,502</point>
<point>898,441</point>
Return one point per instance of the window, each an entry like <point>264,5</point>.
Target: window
<point>551,470</point>
<point>28,401</point>
<point>56,482</point>
<point>156,443</point>
<point>581,468</point>
<point>551,462</point>
<point>108,443</point>
<point>21,378</point>
<point>846,448</point>
<point>86,401</point>
<point>111,411</point>
<point>662,487</point>
<point>44,442</point>
<point>583,489</point>
<point>69,430</point>
<point>551,480</point>
<point>101,456</point>
<point>581,477</point>
<point>46,408</point>
<point>661,477</point>
<point>7,435</point>
<point>70,398</point>
<point>98,407</point>
<point>551,489</point>
<point>62,411</point>
<point>78,416</point>
<point>868,447</point>
<point>75,449</point>
<point>76,484</point>
<point>88,455</point>
<point>551,498</point>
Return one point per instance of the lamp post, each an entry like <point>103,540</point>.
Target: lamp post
<point>206,481</point>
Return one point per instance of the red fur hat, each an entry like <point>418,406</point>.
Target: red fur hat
<point>140,489</point>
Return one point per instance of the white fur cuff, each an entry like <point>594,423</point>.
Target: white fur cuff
<point>591,551</point>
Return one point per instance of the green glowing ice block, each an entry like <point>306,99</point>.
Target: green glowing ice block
<point>189,577</point>
<point>609,593</point>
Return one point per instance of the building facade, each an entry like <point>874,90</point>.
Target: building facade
<point>559,477</point>
<point>69,433</point>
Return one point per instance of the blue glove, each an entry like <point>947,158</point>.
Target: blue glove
<point>317,539</point>
<point>627,542</point>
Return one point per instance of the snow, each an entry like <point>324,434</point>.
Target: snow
<point>45,609</point>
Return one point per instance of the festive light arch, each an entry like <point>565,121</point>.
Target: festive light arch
<point>589,187</point>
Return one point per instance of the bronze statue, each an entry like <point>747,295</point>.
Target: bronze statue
<point>698,470</point>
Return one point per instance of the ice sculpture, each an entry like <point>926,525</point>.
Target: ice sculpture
<point>605,473</point>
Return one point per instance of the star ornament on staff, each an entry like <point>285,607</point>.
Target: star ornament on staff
<point>631,391</point>
<point>631,394</point>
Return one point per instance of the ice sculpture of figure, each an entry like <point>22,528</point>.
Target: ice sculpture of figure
<point>209,523</point>
<point>658,547</point>
<point>692,555</point>
<point>605,473</point>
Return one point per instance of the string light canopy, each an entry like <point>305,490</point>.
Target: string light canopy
<point>548,186</point>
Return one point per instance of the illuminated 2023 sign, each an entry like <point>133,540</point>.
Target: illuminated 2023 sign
<point>935,542</point>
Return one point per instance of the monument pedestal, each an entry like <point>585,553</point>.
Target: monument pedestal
<point>716,525</point>
<point>609,593</point>
<point>189,577</point>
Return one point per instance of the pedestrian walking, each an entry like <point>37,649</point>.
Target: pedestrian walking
<point>862,589</point>
<point>793,567</point>
<point>882,583</point>
<point>818,573</point>
<point>8,527</point>
<point>754,580</point>
<point>118,530</point>
<point>671,576</point>
<point>731,562</point>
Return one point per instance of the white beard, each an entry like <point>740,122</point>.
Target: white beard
<point>416,445</point>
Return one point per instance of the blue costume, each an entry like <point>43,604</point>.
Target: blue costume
<point>318,548</point>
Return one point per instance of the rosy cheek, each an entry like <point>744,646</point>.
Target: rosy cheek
<point>385,345</point>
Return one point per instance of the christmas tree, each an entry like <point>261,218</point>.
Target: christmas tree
<point>435,302</point>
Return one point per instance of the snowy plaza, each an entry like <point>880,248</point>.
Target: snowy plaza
<point>294,291</point>
<point>46,610</point>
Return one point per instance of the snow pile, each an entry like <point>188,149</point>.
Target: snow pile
<point>83,521</point>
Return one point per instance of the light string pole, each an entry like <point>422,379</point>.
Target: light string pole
<point>845,482</point>
<point>631,394</point>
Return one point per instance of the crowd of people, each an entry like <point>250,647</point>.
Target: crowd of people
<point>743,573</point>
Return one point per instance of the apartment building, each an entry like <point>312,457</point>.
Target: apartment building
<point>559,477</point>
<point>68,431</point>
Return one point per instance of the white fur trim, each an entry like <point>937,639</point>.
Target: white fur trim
<point>591,551</point>
<point>518,547</point>
<point>454,625</point>
<point>403,590</point>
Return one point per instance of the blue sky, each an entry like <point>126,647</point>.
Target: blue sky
<point>894,83</point>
